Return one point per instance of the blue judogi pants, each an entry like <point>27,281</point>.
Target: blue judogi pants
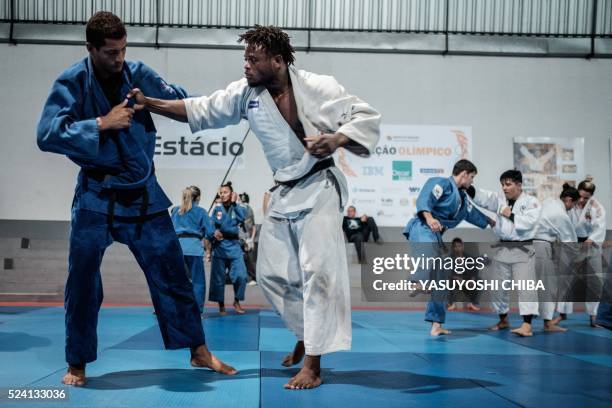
<point>237,274</point>
<point>157,250</point>
<point>196,273</point>
<point>427,243</point>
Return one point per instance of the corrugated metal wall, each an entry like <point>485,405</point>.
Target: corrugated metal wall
<point>525,18</point>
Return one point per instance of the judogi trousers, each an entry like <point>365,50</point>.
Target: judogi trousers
<point>591,258</point>
<point>515,263</point>
<point>197,276</point>
<point>545,267</point>
<point>302,270</point>
<point>157,251</point>
<point>237,274</point>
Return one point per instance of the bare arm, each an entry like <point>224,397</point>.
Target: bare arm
<point>173,109</point>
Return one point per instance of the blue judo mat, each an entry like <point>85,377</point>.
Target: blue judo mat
<point>393,363</point>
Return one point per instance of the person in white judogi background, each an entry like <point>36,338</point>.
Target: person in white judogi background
<point>589,219</point>
<point>517,219</point>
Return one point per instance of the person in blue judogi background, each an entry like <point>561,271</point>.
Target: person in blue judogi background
<point>442,204</point>
<point>117,197</point>
<point>192,225</point>
<point>227,254</point>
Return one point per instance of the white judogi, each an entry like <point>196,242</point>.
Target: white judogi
<point>301,262</point>
<point>590,223</point>
<point>554,225</point>
<point>516,263</point>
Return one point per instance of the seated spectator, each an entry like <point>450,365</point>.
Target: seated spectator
<point>458,251</point>
<point>358,229</point>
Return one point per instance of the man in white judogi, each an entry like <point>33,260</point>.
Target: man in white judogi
<point>300,119</point>
<point>589,219</point>
<point>555,225</point>
<point>517,219</point>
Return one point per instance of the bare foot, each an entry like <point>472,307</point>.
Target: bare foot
<point>592,322</point>
<point>560,318</point>
<point>296,356</point>
<point>473,307</point>
<point>452,306</point>
<point>501,325</point>
<point>308,377</point>
<point>438,330</point>
<point>203,358</point>
<point>524,330</point>
<point>222,311</point>
<point>551,327</point>
<point>75,376</point>
<point>238,308</point>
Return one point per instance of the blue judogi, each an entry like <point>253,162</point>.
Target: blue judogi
<point>191,227</point>
<point>117,198</point>
<point>449,205</point>
<point>227,253</point>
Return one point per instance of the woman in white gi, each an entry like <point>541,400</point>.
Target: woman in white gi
<point>300,118</point>
<point>517,219</point>
<point>555,225</point>
<point>589,219</point>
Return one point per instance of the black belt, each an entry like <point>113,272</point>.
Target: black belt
<point>582,239</point>
<point>320,165</point>
<point>522,245</point>
<point>189,235</point>
<point>100,176</point>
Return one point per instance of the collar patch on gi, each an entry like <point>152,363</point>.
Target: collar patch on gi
<point>219,215</point>
<point>253,104</point>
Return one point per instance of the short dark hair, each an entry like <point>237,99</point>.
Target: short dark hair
<point>464,165</point>
<point>569,191</point>
<point>103,25</point>
<point>587,185</point>
<point>457,240</point>
<point>514,175</point>
<point>272,39</point>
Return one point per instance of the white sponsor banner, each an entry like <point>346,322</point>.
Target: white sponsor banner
<point>387,184</point>
<point>213,149</point>
<point>547,163</point>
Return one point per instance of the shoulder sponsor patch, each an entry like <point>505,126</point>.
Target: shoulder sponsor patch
<point>253,104</point>
<point>167,87</point>
<point>437,191</point>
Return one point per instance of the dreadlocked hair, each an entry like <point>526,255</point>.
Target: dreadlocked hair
<point>272,39</point>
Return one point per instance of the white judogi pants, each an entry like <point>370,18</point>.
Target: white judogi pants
<point>591,258</point>
<point>515,264</point>
<point>545,267</point>
<point>302,270</point>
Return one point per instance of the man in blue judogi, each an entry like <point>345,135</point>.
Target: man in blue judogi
<point>117,197</point>
<point>442,204</point>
